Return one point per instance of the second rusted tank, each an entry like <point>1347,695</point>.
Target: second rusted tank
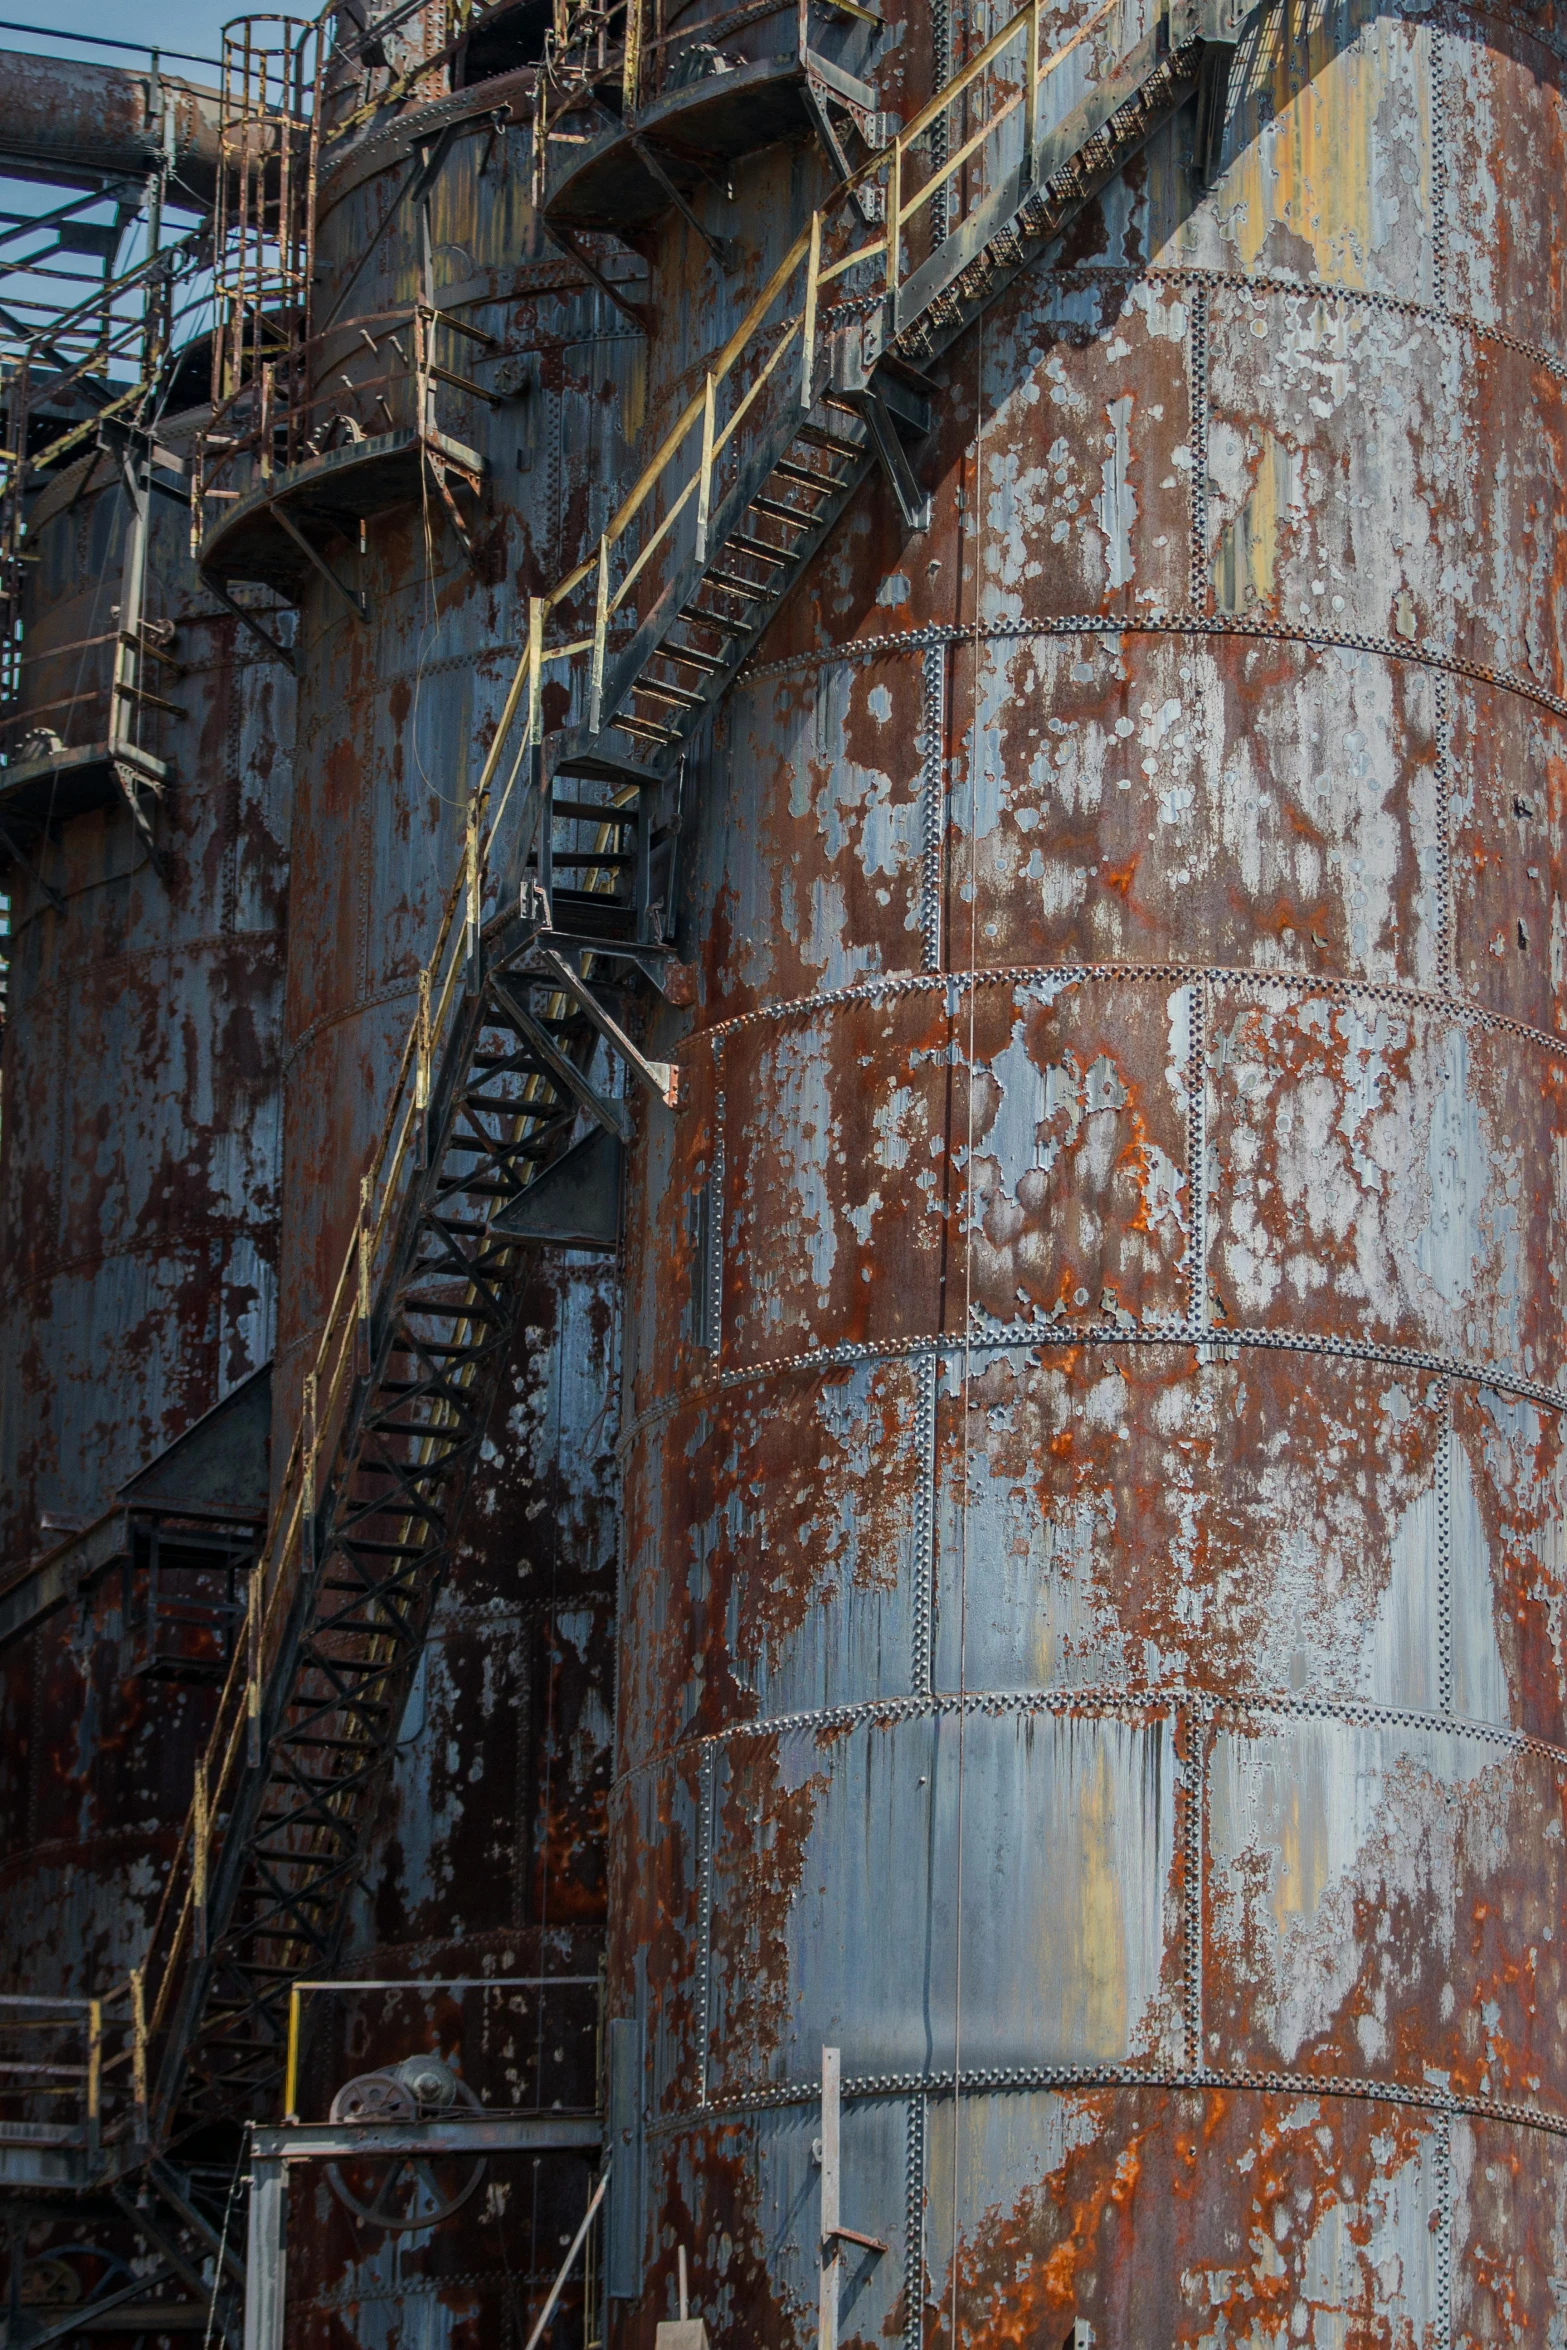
<point>1090,1643</point>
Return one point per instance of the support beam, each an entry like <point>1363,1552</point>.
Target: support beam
<point>266,2261</point>
<point>913,502</point>
<point>827,2318</point>
<point>660,1077</point>
<point>283,653</point>
<point>282,517</point>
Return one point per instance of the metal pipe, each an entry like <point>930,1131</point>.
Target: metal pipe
<point>70,122</point>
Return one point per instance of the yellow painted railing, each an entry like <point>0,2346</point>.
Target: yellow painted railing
<point>1004,77</point>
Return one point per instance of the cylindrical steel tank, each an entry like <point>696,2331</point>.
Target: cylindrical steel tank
<point>487,1857</point>
<point>1091,1637</point>
<point>138,1179</point>
<point>396,706</point>
<point>139,1170</point>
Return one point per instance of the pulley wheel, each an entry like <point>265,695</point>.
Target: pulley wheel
<point>403,2191</point>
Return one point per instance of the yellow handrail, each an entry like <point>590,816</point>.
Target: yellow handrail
<point>440,981</point>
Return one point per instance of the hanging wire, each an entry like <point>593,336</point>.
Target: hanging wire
<point>223,2240</point>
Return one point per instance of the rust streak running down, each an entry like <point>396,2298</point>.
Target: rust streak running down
<point>1092,1629</point>
<point>912,1281</point>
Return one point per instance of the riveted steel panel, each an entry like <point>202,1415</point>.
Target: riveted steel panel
<point>1388,1162</point>
<point>1165,1199</point>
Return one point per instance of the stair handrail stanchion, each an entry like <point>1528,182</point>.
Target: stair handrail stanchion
<point>813,277</point>
<point>600,632</point>
<point>704,497</point>
<point>1031,98</point>
<point>894,230</point>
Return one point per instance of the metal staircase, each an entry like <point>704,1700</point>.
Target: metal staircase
<point>566,877</point>
<point>394,1411</point>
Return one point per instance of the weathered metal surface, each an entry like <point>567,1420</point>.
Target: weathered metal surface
<point>1090,1640</point>
<point>488,1852</point>
<point>140,1162</point>
<point>395,713</point>
<point>62,119</point>
<point>139,1187</point>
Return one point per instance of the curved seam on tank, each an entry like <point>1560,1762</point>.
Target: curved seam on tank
<point>1471,11</point>
<point>203,1227</point>
<point>1166,623</point>
<point>383,150</point>
<point>1009,1338</point>
<point>994,2079</point>
<point>1104,1699</point>
<point>390,994</point>
<point>1316,289</point>
<point>132,959</point>
<point>1397,992</point>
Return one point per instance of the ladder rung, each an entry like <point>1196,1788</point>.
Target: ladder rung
<point>646,729</point>
<point>710,661</point>
<point>585,812</point>
<point>719,622</point>
<point>680,695</point>
<point>750,588</point>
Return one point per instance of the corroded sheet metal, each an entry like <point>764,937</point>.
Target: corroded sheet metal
<point>1091,1631</point>
<point>65,120</point>
<point>488,1856</point>
<point>138,1191</point>
<point>141,1144</point>
<point>396,712</point>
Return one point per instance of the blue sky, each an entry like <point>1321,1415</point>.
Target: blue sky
<point>178,24</point>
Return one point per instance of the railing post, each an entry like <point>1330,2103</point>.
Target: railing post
<point>827,2245</point>
<point>291,2066</point>
<point>600,632</point>
<point>423,391</point>
<point>254,1597</point>
<point>894,233</point>
<point>362,1269</point>
<point>94,2074</point>
<point>535,665</point>
<point>422,1073</point>
<point>813,274</point>
<point>540,143</point>
<point>264,425</point>
<point>631,72</point>
<point>308,1433</point>
<point>471,864</point>
<point>139,2052</point>
<point>704,494</point>
<point>198,1860</point>
<point>1031,99</point>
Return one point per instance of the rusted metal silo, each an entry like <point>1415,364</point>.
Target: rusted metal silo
<point>465,389</point>
<point>145,803</point>
<point>1090,1642</point>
